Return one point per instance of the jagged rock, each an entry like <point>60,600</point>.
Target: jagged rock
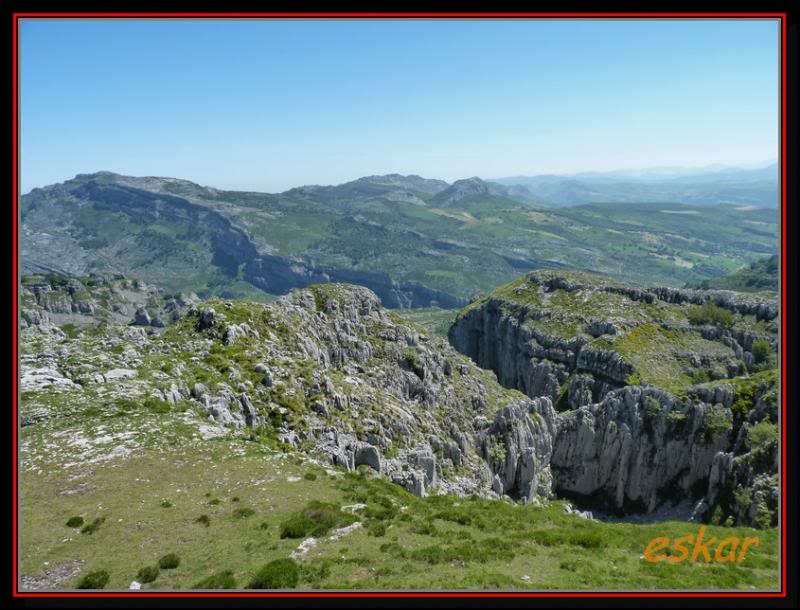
<point>625,452</point>
<point>142,318</point>
<point>117,374</point>
<point>207,318</point>
<point>368,455</point>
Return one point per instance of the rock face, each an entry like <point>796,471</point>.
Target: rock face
<point>329,372</point>
<point>637,447</point>
<point>570,336</point>
<point>629,369</point>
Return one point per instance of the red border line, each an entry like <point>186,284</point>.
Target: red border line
<point>366,15</point>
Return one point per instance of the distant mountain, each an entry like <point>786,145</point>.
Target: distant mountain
<point>414,241</point>
<point>758,276</point>
<point>711,186</point>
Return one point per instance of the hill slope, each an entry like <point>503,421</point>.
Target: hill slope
<point>415,242</point>
<point>241,433</point>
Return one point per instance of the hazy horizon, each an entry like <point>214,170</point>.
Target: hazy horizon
<point>269,105</point>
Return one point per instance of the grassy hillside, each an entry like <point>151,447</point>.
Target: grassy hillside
<point>223,505</point>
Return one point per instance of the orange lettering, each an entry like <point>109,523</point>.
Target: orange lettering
<point>731,542</point>
<point>656,544</point>
<point>679,545</point>
<point>702,548</point>
<point>746,543</point>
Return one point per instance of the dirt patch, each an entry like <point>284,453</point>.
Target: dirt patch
<point>51,579</point>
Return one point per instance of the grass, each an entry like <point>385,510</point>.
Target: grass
<point>219,580</point>
<point>438,542</point>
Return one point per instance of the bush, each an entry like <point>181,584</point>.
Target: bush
<point>74,521</point>
<point>277,574</point>
<point>243,513</point>
<point>761,350</point>
<point>710,313</point>
<point>147,574</point>
<point>91,528</point>
<point>169,561</point>
<point>315,519</point>
<point>411,358</point>
<point>220,580</point>
<point>310,476</point>
<point>204,520</point>
<point>166,504</point>
<point>93,580</point>
<point>762,435</point>
<point>214,501</point>
<point>377,529</point>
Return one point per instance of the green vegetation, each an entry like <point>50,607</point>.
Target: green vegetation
<point>147,574</point>
<point>203,520</point>
<point>277,574</point>
<point>762,435</point>
<point>315,519</point>
<point>761,350</point>
<point>243,513</point>
<point>75,521</point>
<point>170,561</point>
<point>461,247</point>
<point>607,555</point>
<point>759,275</point>
<point>93,580</point>
<point>219,580</point>
<point>91,528</point>
<point>710,313</point>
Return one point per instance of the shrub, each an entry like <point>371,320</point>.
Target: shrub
<point>411,358</point>
<point>166,504</point>
<point>762,435</point>
<point>761,350</point>
<point>716,422</point>
<point>315,520</point>
<point>203,519</point>
<point>310,476</point>
<point>277,574</point>
<point>235,499</point>
<point>214,501</point>
<point>220,580</point>
<point>75,521</point>
<point>710,313</point>
<point>93,580</point>
<point>147,574</point>
<point>377,529</point>
<point>243,513</point>
<point>169,561</point>
<point>91,528</point>
<point>498,453</point>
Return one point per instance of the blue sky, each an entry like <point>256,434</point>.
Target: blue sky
<point>267,105</point>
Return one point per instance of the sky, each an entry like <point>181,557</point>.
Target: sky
<point>268,105</point>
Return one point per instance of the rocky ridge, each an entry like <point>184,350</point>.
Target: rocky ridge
<point>328,372</point>
<point>325,370</point>
<point>656,402</point>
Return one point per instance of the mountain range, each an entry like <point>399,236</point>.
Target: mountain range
<point>414,241</point>
<point>708,186</point>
